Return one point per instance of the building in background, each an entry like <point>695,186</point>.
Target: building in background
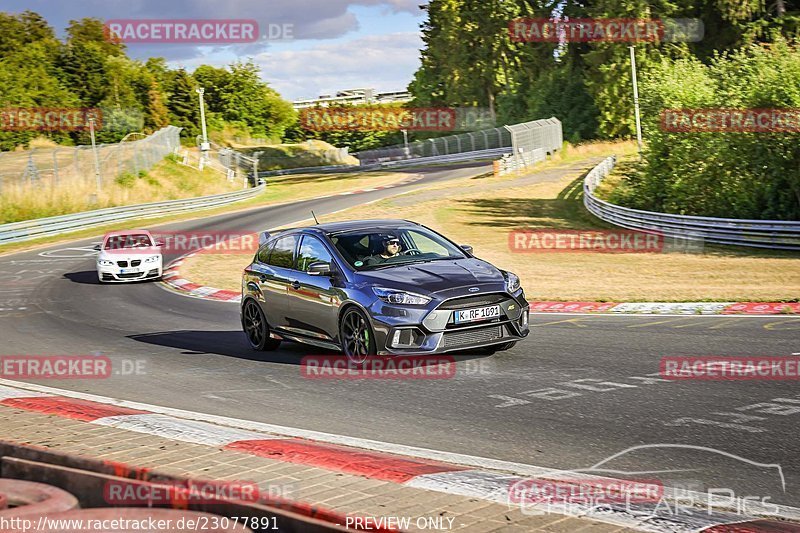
<point>354,97</point>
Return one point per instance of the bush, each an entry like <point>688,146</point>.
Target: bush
<point>126,179</point>
<point>734,175</point>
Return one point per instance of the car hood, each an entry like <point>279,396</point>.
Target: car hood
<point>436,276</point>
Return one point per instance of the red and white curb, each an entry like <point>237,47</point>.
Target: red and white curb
<point>445,472</point>
<point>173,278</point>
<point>669,308</point>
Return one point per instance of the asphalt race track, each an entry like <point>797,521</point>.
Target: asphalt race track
<point>579,390</point>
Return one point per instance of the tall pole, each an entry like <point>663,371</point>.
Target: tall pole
<point>636,103</point>
<point>98,181</point>
<point>405,141</point>
<point>205,146</point>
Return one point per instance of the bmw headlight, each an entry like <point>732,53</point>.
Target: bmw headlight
<point>394,296</point>
<point>105,262</point>
<point>152,259</point>
<point>512,282</point>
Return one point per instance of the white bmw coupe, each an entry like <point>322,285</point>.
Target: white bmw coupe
<point>131,255</point>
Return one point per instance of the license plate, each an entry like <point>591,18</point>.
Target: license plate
<point>472,315</point>
<point>128,270</point>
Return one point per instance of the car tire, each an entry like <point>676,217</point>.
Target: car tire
<point>358,340</point>
<point>256,328</point>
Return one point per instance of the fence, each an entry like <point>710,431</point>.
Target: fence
<point>510,163</point>
<point>228,162</point>
<point>772,234</point>
<point>45,227</point>
<point>244,167</point>
<point>75,166</point>
<point>516,139</point>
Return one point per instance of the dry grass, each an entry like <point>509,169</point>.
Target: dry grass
<point>482,212</point>
<point>168,180</point>
<point>279,190</point>
<point>222,271</point>
<point>306,186</point>
<point>310,153</point>
<point>39,142</point>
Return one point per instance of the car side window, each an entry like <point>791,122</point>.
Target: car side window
<point>311,250</point>
<point>282,254</point>
<point>263,253</point>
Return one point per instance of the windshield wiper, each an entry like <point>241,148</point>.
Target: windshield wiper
<point>412,262</point>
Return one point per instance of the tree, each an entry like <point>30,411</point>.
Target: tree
<point>240,97</point>
<point>720,174</point>
<point>184,105</point>
<point>157,115</point>
<point>26,82</point>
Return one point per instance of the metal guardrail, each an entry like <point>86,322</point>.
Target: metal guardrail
<point>46,227</point>
<point>772,234</point>
<point>441,146</point>
<point>317,170</point>
<point>516,138</point>
<point>493,153</point>
<point>415,161</point>
<point>509,163</point>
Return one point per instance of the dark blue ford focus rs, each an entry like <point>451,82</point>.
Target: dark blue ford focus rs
<point>378,287</point>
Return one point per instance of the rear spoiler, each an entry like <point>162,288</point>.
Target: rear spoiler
<point>263,237</point>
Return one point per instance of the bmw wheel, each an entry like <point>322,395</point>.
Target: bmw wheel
<point>358,342</point>
<point>256,328</point>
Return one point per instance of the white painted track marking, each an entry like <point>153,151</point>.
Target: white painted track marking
<point>502,469</point>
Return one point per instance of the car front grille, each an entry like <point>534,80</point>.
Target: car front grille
<point>123,264</point>
<point>473,301</point>
<point>472,336</point>
<point>136,262</point>
<point>132,275</point>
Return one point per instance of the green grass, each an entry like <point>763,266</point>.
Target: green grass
<point>308,154</point>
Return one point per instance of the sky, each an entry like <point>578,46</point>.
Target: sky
<point>335,44</point>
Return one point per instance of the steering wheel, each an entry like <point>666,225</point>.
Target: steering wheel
<point>410,250</point>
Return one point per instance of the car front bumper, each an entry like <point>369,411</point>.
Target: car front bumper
<point>409,330</point>
<point>115,274</point>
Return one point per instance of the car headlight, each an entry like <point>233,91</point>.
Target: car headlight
<point>152,259</point>
<point>394,296</point>
<point>105,262</point>
<point>512,282</point>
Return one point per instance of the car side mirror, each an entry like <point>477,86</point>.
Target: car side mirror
<point>467,248</point>
<point>159,244</point>
<point>319,268</point>
<point>96,247</point>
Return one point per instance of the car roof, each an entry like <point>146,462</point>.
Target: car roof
<point>328,228</point>
<point>354,225</point>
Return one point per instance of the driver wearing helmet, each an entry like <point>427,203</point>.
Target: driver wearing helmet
<point>391,249</point>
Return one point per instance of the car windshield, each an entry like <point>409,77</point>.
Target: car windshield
<point>379,248</point>
<point>134,240</point>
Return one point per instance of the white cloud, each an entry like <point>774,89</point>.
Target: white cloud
<point>312,19</point>
<point>385,62</point>
<point>320,60</point>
